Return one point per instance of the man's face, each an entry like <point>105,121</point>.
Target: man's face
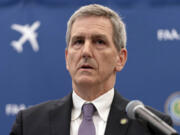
<point>91,56</point>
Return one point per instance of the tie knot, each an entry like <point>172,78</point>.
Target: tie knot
<point>88,111</point>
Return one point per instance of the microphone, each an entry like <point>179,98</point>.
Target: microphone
<point>136,110</point>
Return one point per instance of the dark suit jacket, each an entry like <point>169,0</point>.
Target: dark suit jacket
<point>53,118</point>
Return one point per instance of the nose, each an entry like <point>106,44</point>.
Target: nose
<point>87,49</point>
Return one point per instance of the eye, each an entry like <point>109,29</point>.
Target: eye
<point>99,42</point>
<point>78,42</point>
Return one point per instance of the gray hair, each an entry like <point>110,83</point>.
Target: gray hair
<point>119,31</point>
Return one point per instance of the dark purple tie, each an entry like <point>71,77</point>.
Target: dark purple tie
<point>87,126</point>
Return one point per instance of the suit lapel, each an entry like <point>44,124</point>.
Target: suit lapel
<point>117,123</point>
<point>60,116</point>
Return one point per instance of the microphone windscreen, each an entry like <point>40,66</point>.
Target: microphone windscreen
<point>131,108</point>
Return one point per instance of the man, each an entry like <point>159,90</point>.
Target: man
<point>96,51</point>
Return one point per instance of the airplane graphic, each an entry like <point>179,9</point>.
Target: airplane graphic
<point>28,34</point>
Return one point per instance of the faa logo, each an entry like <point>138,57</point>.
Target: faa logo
<point>172,107</point>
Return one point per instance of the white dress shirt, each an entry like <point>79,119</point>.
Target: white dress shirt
<point>102,104</point>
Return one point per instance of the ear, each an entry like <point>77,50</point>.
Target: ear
<point>66,58</point>
<point>121,59</point>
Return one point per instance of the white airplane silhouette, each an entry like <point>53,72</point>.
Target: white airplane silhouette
<point>28,33</point>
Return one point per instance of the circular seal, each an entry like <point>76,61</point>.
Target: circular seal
<point>172,107</point>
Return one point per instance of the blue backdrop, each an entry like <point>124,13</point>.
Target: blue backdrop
<point>33,71</point>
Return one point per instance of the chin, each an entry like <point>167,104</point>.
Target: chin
<point>85,81</point>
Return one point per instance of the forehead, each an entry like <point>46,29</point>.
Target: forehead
<point>92,24</point>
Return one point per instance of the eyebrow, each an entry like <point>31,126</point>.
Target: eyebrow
<point>99,36</point>
<point>81,36</point>
<point>76,37</point>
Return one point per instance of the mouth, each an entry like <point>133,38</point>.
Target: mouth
<point>85,67</point>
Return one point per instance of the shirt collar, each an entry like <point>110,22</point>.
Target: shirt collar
<point>101,103</point>
<point>77,105</point>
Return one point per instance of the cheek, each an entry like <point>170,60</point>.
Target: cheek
<point>107,61</point>
<point>72,60</point>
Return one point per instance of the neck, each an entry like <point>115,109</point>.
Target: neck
<point>90,92</point>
